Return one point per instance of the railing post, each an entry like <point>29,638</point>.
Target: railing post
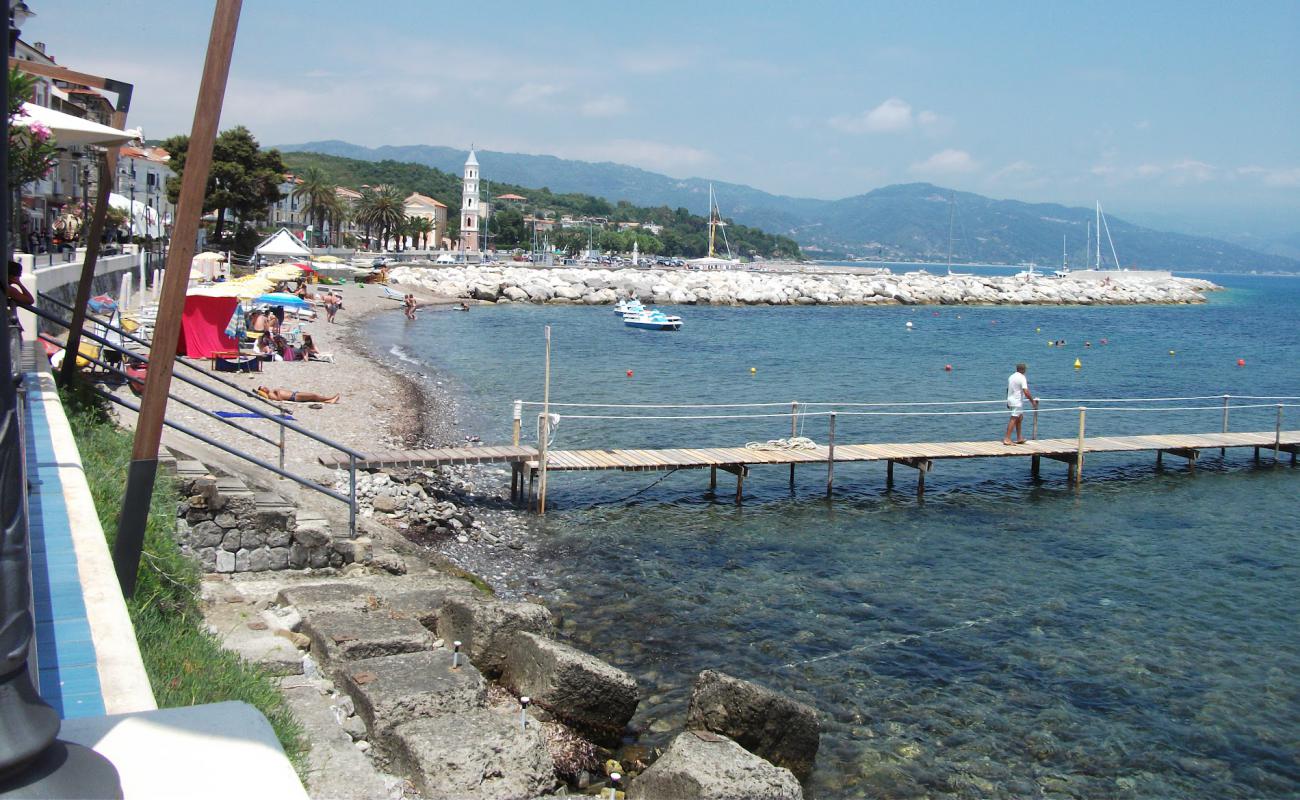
<point>352,495</point>
<point>1078,459</point>
<point>1277,435</point>
<point>1223,450</point>
<point>281,427</point>
<point>1034,433</point>
<point>794,430</point>
<point>545,425</point>
<point>518,417</point>
<point>830,457</point>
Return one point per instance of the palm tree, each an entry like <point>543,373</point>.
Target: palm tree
<point>421,228</point>
<point>316,193</point>
<point>388,210</point>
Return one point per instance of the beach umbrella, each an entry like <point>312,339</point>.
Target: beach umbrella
<point>281,299</point>
<point>281,272</point>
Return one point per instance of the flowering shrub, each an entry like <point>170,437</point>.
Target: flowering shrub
<point>32,150</point>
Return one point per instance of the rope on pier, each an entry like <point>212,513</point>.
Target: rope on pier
<point>793,443</point>
<point>1083,401</point>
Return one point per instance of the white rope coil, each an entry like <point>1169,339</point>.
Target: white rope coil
<point>793,443</point>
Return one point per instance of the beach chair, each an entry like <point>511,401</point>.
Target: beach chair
<point>392,294</point>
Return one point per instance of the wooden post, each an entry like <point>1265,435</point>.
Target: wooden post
<point>794,431</point>
<point>1033,466</point>
<point>889,474</point>
<point>713,479</point>
<point>1160,459</point>
<point>920,481</point>
<point>519,413</point>
<point>1277,436</point>
<point>546,427</point>
<point>830,457</point>
<point>516,470</point>
<point>740,485</point>
<point>107,169</point>
<point>1078,459</point>
<point>1223,450</point>
<point>149,422</point>
<point>1034,434</point>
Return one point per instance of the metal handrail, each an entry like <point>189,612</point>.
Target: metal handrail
<point>147,343</point>
<point>353,455</point>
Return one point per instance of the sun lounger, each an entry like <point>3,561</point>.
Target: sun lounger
<point>391,294</point>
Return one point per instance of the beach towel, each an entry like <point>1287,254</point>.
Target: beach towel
<point>251,415</point>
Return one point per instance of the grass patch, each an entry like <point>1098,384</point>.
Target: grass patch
<point>186,665</point>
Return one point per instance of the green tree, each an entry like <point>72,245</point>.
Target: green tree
<point>383,208</point>
<point>32,149</point>
<point>316,193</point>
<point>244,179</point>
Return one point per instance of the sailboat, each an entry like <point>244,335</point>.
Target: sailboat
<point>1064,271</point>
<point>952,211</point>
<point>712,260</point>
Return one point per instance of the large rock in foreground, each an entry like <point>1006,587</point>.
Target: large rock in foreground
<point>391,690</point>
<point>783,731</point>
<point>705,766</point>
<point>581,690</point>
<point>485,628</point>
<point>479,754</point>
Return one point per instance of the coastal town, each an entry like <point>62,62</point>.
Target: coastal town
<point>379,471</point>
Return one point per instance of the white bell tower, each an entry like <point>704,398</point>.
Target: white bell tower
<point>469,207</point>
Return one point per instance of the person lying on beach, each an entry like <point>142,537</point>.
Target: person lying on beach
<point>287,395</point>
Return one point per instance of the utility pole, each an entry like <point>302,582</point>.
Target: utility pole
<point>149,422</point>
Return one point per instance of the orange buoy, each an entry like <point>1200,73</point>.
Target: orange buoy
<point>947,367</point>
<point>1241,362</point>
<point>629,373</point>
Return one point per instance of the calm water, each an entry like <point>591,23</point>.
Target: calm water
<point>1137,638</point>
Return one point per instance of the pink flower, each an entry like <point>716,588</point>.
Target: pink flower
<point>40,131</point>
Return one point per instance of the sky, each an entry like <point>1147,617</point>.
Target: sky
<point>1184,115</point>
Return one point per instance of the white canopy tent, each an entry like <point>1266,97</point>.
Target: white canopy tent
<point>69,130</point>
<point>143,218</point>
<point>283,244</point>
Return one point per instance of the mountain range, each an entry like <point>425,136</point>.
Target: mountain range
<point>899,222</point>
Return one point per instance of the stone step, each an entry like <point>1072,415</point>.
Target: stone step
<point>270,501</point>
<point>230,486</point>
<point>189,469</point>
<point>390,690</point>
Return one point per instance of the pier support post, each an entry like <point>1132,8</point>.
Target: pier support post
<point>1277,435</point>
<point>519,412</point>
<point>1033,466</point>
<point>1160,459</point>
<point>740,487</point>
<point>889,474</point>
<point>794,431</point>
<point>1077,472</point>
<point>1223,450</point>
<point>713,479</point>
<point>830,457</point>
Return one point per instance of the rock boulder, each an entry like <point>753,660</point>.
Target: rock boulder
<point>485,628</point>
<point>479,754</point>
<point>579,689</point>
<point>777,728</point>
<point>699,765</point>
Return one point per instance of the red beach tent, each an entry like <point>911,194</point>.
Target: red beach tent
<point>203,326</point>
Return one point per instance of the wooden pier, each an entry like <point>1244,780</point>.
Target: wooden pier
<point>919,456</point>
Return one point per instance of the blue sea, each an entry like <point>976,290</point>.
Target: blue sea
<point>999,637</point>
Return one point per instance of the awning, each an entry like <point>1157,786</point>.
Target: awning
<point>69,130</point>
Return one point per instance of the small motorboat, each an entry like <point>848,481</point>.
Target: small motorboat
<point>629,306</point>
<point>652,319</point>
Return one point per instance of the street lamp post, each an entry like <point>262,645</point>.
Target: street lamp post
<point>85,204</point>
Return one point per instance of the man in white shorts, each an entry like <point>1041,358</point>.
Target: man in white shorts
<point>1017,393</point>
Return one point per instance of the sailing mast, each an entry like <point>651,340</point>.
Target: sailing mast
<point>713,220</point>
<point>1087,247</point>
<point>952,209</point>
<point>1098,267</point>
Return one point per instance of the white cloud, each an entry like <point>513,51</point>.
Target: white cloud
<point>609,105</point>
<point>892,116</point>
<point>1173,173</point>
<point>642,153</point>
<point>947,162</point>
<point>532,95</point>
<point>1016,170</point>
<point>1272,177</point>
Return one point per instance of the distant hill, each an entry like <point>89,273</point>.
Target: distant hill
<point>905,222</point>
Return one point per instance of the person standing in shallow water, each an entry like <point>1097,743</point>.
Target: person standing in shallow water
<point>409,304</point>
<point>1017,393</point>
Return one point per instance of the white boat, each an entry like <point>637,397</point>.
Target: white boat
<point>1029,274</point>
<point>652,319</point>
<point>629,306</point>
<point>712,261</point>
<point>1064,271</point>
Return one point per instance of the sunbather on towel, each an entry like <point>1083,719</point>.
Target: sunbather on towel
<point>279,393</point>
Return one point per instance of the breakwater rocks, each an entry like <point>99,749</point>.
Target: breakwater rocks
<point>498,284</point>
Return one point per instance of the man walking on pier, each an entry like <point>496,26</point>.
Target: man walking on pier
<point>1017,393</point>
